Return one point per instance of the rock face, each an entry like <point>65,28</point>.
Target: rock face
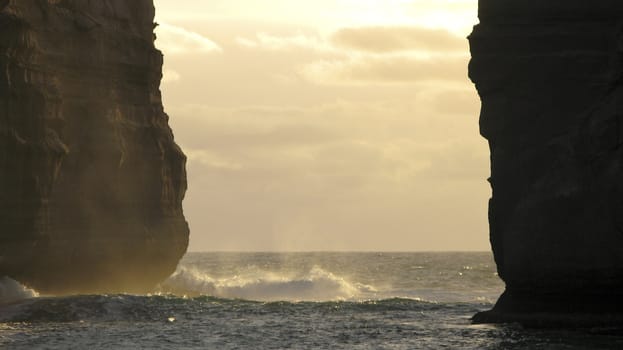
<point>549,74</point>
<point>91,181</point>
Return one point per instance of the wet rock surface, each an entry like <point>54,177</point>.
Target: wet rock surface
<point>91,180</point>
<point>549,74</point>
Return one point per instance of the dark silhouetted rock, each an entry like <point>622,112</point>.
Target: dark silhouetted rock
<point>91,181</point>
<point>549,76</point>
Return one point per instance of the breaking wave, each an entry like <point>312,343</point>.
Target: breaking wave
<point>12,291</point>
<point>315,285</point>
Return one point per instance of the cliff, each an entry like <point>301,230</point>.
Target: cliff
<point>549,74</point>
<point>91,181</point>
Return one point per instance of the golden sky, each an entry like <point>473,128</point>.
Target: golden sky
<point>326,124</point>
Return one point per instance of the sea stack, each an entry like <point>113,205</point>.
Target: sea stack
<point>91,180</point>
<point>549,74</point>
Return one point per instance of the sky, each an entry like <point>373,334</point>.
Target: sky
<point>326,125</point>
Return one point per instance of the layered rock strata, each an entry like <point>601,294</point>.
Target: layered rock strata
<point>91,180</point>
<point>549,74</point>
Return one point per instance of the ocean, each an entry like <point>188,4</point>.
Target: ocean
<point>288,301</point>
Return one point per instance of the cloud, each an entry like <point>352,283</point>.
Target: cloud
<point>345,169</point>
<point>177,40</point>
<point>458,102</point>
<point>376,40</point>
<point>362,153</point>
<point>250,128</point>
<point>339,140</point>
<point>386,69</point>
<point>396,39</point>
<point>211,159</point>
<point>170,76</point>
<point>278,43</point>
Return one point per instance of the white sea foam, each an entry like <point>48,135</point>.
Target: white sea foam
<point>315,285</point>
<point>11,291</point>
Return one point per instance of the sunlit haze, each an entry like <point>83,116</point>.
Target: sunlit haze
<point>326,125</point>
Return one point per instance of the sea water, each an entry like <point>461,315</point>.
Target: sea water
<point>288,301</point>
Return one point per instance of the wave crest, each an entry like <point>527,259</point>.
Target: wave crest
<point>12,291</point>
<point>315,285</point>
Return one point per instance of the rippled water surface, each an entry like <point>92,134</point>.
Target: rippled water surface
<point>276,301</point>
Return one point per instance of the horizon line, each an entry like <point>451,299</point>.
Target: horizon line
<point>339,251</point>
